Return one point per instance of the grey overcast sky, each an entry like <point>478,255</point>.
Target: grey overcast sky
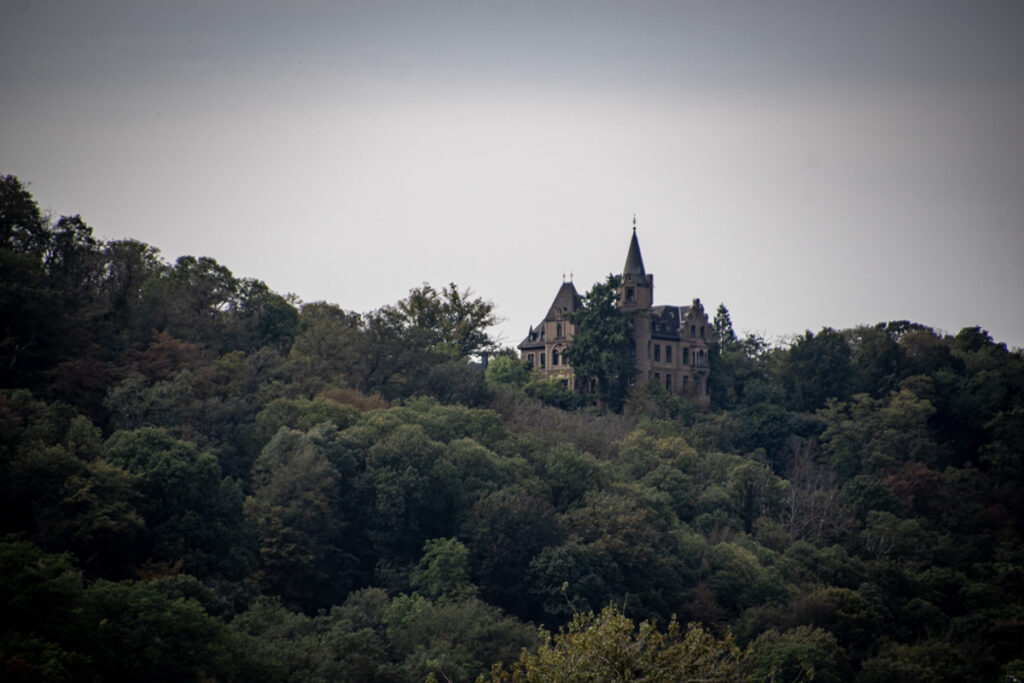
<point>807,163</point>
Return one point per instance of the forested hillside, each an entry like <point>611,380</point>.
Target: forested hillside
<point>201,479</point>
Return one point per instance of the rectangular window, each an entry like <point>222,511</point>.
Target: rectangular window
<point>543,359</point>
<point>696,384</point>
<point>686,380</point>
<point>657,377</point>
<point>529,359</point>
<point>668,354</point>
<point>686,356</point>
<point>657,353</point>
<point>693,330</point>
<point>668,382</point>
<point>702,331</point>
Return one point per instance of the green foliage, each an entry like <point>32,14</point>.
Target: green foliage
<point>601,350</point>
<point>301,414</point>
<point>180,447</point>
<point>930,660</point>
<point>504,531</point>
<point>724,333</point>
<point>295,506</point>
<point>56,487</point>
<point>449,321</point>
<point>610,647</point>
<point>455,640</point>
<point>57,628</point>
<point>740,373</point>
<point>191,515</point>
<point>816,368</point>
<point>507,370</point>
<point>571,474</point>
<point>802,653</point>
<point>443,571</point>
<point>552,392</point>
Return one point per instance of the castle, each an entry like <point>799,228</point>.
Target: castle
<point>670,343</point>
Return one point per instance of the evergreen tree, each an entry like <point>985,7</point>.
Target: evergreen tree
<point>723,327</point>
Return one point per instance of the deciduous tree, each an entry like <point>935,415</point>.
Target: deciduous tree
<point>601,349</point>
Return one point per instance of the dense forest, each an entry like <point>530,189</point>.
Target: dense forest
<point>201,479</point>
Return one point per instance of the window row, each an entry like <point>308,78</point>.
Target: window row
<point>698,358</point>
<point>542,357</point>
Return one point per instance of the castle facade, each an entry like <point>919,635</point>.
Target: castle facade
<point>670,343</point>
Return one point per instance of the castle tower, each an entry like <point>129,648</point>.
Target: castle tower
<point>636,291</point>
<point>636,296</point>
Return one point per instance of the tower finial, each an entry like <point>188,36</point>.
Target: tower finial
<point>634,221</point>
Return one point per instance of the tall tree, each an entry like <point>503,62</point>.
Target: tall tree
<point>723,327</point>
<point>23,228</point>
<point>450,321</point>
<point>601,349</point>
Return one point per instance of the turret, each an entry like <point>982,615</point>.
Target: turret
<point>637,287</point>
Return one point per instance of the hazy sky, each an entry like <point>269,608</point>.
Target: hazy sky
<point>806,163</point>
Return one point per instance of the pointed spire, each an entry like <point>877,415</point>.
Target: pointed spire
<point>634,261</point>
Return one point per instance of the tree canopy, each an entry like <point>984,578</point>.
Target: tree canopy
<point>201,479</point>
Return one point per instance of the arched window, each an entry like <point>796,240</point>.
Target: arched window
<point>558,332</point>
<point>554,357</point>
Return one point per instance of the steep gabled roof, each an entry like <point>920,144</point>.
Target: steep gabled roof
<point>566,301</point>
<point>634,261</point>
